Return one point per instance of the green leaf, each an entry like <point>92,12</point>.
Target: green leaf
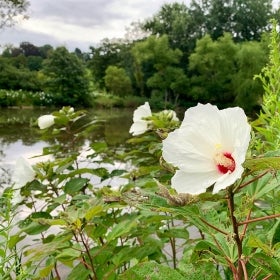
<point>262,186</point>
<point>75,185</point>
<point>152,270</point>
<point>68,254</point>
<point>31,226</point>
<point>263,163</point>
<point>44,272</point>
<point>93,211</point>
<point>99,147</point>
<point>177,233</point>
<point>14,239</point>
<point>255,242</point>
<point>268,264</point>
<point>276,234</point>
<point>121,229</point>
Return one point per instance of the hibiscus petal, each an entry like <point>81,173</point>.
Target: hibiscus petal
<point>141,112</point>
<point>228,179</point>
<point>204,119</point>
<point>193,183</point>
<point>138,127</point>
<point>180,153</point>
<point>235,129</point>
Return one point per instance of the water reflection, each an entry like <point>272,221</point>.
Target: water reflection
<point>19,135</point>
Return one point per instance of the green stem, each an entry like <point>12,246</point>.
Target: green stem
<point>238,241</point>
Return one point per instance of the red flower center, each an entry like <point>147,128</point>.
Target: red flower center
<point>225,162</point>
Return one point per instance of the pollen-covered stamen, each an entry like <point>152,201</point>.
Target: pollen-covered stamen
<point>225,162</point>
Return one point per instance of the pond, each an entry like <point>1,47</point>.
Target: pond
<point>19,135</point>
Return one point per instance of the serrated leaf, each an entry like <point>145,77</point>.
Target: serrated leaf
<point>255,242</point>
<point>268,264</point>
<point>263,163</point>
<point>262,186</point>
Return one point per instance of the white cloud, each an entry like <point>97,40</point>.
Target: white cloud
<point>79,23</point>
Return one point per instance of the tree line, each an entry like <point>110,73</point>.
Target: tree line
<point>208,51</point>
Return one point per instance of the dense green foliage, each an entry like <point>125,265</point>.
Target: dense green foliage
<point>208,51</point>
<point>108,211</point>
<point>65,78</point>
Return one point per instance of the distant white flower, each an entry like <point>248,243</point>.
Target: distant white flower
<point>45,121</point>
<point>170,114</point>
<point>140,125</point>
<point>23,172</point>
<point>208,148</point>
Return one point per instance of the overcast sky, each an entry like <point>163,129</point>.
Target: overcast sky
<point>81,24</point>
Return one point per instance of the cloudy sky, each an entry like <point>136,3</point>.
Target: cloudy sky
<point>80,23</point>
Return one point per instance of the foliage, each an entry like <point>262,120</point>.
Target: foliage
<point>166,77</point>
<point>175,21</point>
<point>168,62</point>
<point>243,19</point>
<point>16,77</point>
<point>184,25</point>
<point>213,69</point>
<point>109,53</point>
<point>103,230</point>
<point>248,91</point>
<point>267,124</point>
<point>117,81</point>
<point>109,212</point>
<point>66,79</point>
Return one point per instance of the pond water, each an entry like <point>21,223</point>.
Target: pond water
<point>19,136</point>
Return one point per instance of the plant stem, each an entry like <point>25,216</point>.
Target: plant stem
<point>259,219</point>
<point>214,227</point>
<point>89,255</point>
<point>250,181</point>
<point>246,225</point>
<point>240,269</point>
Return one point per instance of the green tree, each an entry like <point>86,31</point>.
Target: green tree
<point>110,52</point>
<point>250,59</point>
<point>164,60</point>
<point>212,67</point>
<point>117,81</point>
<point>175,21</point>
<point>66,78</point>
<point>16,78</point>
<point>10,10</point>
<point>244,19</point>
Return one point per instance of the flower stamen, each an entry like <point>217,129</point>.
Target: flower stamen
<point>225,162</point>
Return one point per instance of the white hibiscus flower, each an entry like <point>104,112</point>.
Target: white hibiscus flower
<point>140,125</point>
<point>45,121</point>
<point>208,148</point>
